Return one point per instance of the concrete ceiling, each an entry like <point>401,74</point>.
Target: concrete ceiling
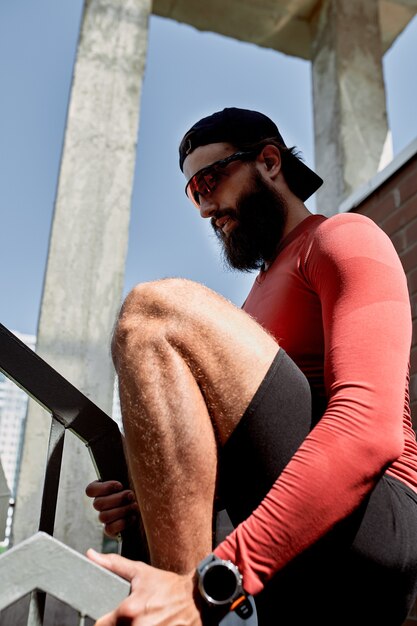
<point>282,25</point>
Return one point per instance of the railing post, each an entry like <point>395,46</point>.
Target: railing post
<point>52,474</point>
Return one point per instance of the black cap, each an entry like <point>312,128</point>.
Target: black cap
<point>242,126</point>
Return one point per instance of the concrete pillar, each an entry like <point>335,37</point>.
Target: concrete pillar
<point>88,245</point>
<point>352,141</point>
<point>4,502</point>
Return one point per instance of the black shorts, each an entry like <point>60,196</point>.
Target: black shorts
<point>364,572</point>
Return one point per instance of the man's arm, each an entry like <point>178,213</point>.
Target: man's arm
<point>354,269</point>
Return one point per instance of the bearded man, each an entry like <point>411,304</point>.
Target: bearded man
<point>292,411</point>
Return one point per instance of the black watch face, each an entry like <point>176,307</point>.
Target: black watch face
<point>219,582</point>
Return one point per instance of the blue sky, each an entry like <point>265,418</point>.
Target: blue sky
<point>188,75</point>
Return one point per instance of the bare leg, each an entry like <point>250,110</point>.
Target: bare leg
<point>189,363</point>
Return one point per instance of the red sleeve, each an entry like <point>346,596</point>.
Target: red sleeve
<point>351,264</point>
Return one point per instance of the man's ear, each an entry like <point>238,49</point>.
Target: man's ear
<point>270,157</point>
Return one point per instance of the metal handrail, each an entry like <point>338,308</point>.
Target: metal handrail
<point>70,410</point>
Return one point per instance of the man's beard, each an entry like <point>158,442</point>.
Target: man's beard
<point>261,214</point>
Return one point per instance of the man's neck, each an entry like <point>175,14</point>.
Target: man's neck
<point>297,213</point>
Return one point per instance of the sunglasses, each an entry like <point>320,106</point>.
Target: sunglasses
<point>206,180</point>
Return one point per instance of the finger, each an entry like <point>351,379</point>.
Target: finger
<point>128,613</point>
<point>111,515</point>
<point>115,563</point>
<point>114,501</point>
<point>103,488</point>
<point>114,529</point>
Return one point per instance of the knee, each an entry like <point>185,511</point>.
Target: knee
<point>155,299</point>
<point>147,311</point>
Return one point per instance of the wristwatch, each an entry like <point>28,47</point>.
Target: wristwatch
<point>219,584</point>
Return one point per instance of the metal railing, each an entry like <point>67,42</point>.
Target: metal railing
<point>43,565</point>
<point>70,411</point>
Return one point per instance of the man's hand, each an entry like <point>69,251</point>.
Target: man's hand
<point>117,506</point>
<point>157,597</point>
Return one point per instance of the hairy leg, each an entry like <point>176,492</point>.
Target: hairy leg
<point>189,363</point>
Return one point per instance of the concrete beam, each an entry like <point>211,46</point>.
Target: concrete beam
<point>84,278</point>
<point>351,129</point>
<point>282,25</point>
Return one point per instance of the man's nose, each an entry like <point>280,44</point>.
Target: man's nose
<point>208,206</point>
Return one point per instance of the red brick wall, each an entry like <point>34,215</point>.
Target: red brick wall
<point>393,206</point>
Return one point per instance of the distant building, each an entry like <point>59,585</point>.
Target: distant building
<point>13,405</point>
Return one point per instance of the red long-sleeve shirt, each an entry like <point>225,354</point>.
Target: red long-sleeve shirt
<point>336,300</point>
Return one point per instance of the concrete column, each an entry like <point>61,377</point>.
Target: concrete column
<point>4,502</point>
<point>85,268</point>
<point>352,141</point>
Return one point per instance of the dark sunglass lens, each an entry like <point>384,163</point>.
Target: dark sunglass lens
<point>193,192</point>
<point>201,185</point>
<point>211,178</point>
